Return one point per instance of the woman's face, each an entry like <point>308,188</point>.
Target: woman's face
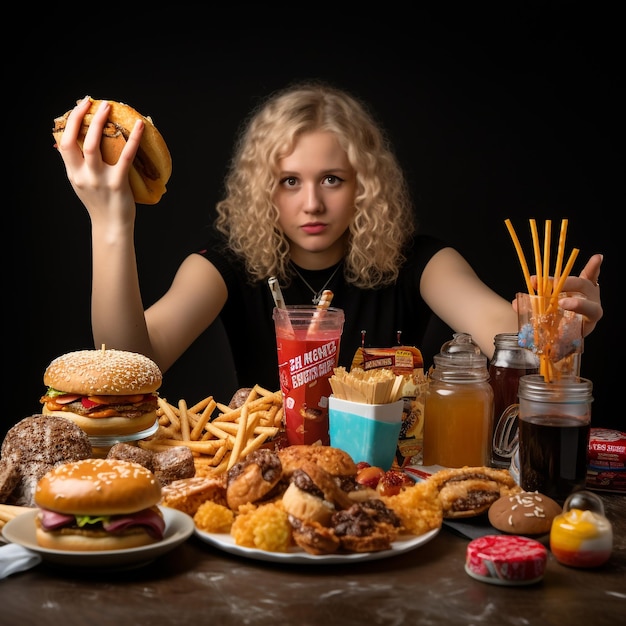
<point>315,199</point>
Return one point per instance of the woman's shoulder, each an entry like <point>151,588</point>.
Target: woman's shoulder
<point>422,247</point>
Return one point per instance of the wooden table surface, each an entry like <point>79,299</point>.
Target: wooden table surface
<point>198,584</point>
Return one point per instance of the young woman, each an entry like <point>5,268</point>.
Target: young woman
<point>314,196</point>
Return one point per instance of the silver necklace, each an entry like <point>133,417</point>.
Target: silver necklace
<point>316,294</point>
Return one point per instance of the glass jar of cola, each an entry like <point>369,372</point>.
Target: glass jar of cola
<point>509,363</point>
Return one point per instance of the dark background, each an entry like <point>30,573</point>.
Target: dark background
<point>493,117</point>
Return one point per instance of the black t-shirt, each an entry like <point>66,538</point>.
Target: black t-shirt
<point>380,313</point>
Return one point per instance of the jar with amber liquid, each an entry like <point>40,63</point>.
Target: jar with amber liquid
<point>458,407</point>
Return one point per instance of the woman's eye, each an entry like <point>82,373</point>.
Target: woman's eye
<point>332,180</point>
<point>290,181</point>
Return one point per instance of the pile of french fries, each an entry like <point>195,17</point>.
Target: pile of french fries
<point>217,435</point>
<point>9,511</point>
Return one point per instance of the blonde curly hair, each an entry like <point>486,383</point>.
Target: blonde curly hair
<point>383,220</point>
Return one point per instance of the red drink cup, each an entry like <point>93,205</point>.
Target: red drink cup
<point>307,340</point>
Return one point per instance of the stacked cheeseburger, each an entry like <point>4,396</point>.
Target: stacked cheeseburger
<point>110,394</point>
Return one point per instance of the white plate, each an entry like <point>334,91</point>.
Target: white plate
<point>178,527</point>
<point>297,555</point>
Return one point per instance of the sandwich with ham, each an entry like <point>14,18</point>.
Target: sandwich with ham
<point>98,504</point>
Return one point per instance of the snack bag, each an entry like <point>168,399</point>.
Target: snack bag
<point>407,361</point>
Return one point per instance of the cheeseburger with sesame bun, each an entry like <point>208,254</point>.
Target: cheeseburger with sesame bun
<point>105,392</point>
<point>98,504</point>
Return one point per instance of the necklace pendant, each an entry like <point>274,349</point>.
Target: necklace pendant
<point>316,299</point>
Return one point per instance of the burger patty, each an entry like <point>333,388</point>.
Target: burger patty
<point>123,410</point>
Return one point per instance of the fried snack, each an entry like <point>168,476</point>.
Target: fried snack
<point>314,538</point>
<point>252,478</point>
<point>332,460</point>
<point>265,527</point>
<point>368,526</point>
<point>212,517</point>
<point>219,441</point>
<point>419,508</point>
<point>173,464</point>
<point>470,491</point>
<point>128,452</point>
<point>187,494</point>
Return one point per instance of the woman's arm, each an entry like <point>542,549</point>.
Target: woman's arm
<point>198,291</point>
<point>455,293</point>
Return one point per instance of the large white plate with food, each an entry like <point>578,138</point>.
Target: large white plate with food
<point>178,527</point>
<point>402,544</point>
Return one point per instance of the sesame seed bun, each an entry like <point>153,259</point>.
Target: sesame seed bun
<point>98,487</point>
<point>106,392</point>
<point>117,497</point>
<point>103,372</point>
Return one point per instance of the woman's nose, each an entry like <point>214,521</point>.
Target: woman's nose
<point>313,199</point>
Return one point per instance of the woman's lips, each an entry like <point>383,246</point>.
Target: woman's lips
<point>313,229</point>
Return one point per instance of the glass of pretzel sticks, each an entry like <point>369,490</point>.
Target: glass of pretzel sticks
<point>552,333</point>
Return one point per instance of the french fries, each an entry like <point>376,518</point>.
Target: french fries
<point>10,511</point>
<point>217,435</point>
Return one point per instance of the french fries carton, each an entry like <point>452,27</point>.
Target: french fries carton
<point>408,362</point>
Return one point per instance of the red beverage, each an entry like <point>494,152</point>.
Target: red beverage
<point>308,349</point>
<point>553,454</point>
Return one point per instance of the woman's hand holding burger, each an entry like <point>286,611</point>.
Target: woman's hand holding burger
<point>113,143</point>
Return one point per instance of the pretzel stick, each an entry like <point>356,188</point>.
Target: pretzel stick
<point>547,236</point>
<point>520,256</point>
<point>568,268</point>
<point>560,251</point>
<point>537,253</point>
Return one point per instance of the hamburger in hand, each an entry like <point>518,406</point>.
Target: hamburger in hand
<point>98,504</point>
<point>152,166</point>
<point>106,392</point>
